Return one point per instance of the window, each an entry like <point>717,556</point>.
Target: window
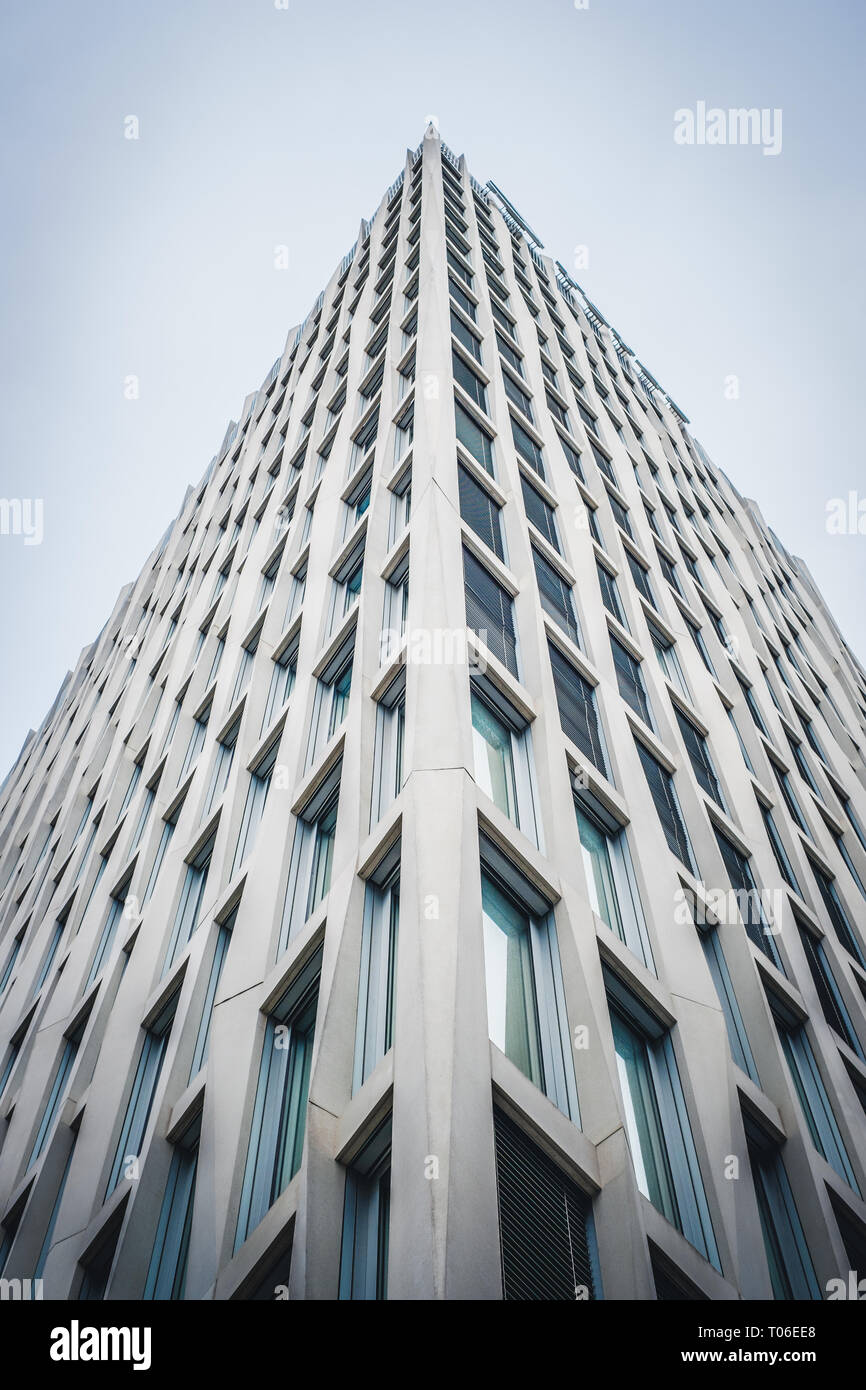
<point>364,439</point>
<point>663,792</point>
<point>219,648</point>
<point>268,580</point>
<point>503,759</point>
<point>196,741</point>
<point>401,506</point>
<point>48,1238</point>
<point>508,354</point>
<point>790,1267</point>
<point>141,1096</point>
<point>699,757</point>
<point>489,611</point>
<point>641,578</point>
<point>116,905</point>
<point>57,1093</point>
<point>669,570</point>
<point>358,501</point>
<point>245,667</point>
<point>51,953</point>
<point>668,660</point>
<point>10,963</point>
<point>366,1211</point>
<point>396,609</point>
<point>146,807</point>
<point>97,1270</point>
<point>557,410</point>
<point>697,637</point>
<point>331,699</point>
<point>752,705</point>
<point>812,1093</point>
<point>518,396</point>
<point>526,1016</point>
<point>836,912</point>
<point>225,751</point>
<point>296,594</point>
<point>656,1120</point>
<point>375,1025</point>
<point>802,765</point>
<point>749,899</point>
<point>737,1037</point>
<point>780,854</point>
<point>280,1112</point>
<point>457,294</point>
<point>610,593</point>
<point>630,681</point>
<point>404,431</point>
<point>556,597</point>
<point>578,714</point>
<point>388,748</point>
<point>166,1273</point>
<point>620,514</point>
<point>128,795</point>
<point>610,880</point>
<point>168,826</point>
<point>789,797</point>
<point>465,336</point>
<point>474,439</point>
<point>312,856</point>
<point>539,512</point>
<point>479,511</point>
<point>839,841</point>
<point>472,385</point>
<point>527,448</point>
<point>535,1195</point>
<point>285,665</point>
<point>202,1042</point>
<point>347,587</point>
<point>254,806</point>
<point>829,996</point>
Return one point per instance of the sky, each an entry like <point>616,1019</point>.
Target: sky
<point>736,276</point>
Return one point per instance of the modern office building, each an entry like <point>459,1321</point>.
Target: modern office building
<point>443,877</point>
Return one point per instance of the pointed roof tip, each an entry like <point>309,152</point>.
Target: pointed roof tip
<point>431,128</point>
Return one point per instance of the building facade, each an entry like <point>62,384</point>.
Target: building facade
<point>443,877</point>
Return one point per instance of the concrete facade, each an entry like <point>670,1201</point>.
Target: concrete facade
<point>263,555</point>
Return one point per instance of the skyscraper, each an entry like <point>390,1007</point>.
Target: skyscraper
<point>442,877</point>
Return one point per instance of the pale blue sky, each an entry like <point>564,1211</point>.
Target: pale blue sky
<point>261,127</point>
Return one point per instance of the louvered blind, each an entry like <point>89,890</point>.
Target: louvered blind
<point>473,437</point>
<point>556,597</point>
<point>620,514</point>
<point>577,711</point>
<point>543,1218</point>
<point>489,612</point>
<point>538,511</point>
<point>526,447</point>
<point>479,511</point>
<point>743,882</point>
<point>641,578</point>
<point>609,595</point>
<point>572,456</point>
<point>699,757</point>
<point>661,785</point>
<point>630,680</point>
<point>520,398</point>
